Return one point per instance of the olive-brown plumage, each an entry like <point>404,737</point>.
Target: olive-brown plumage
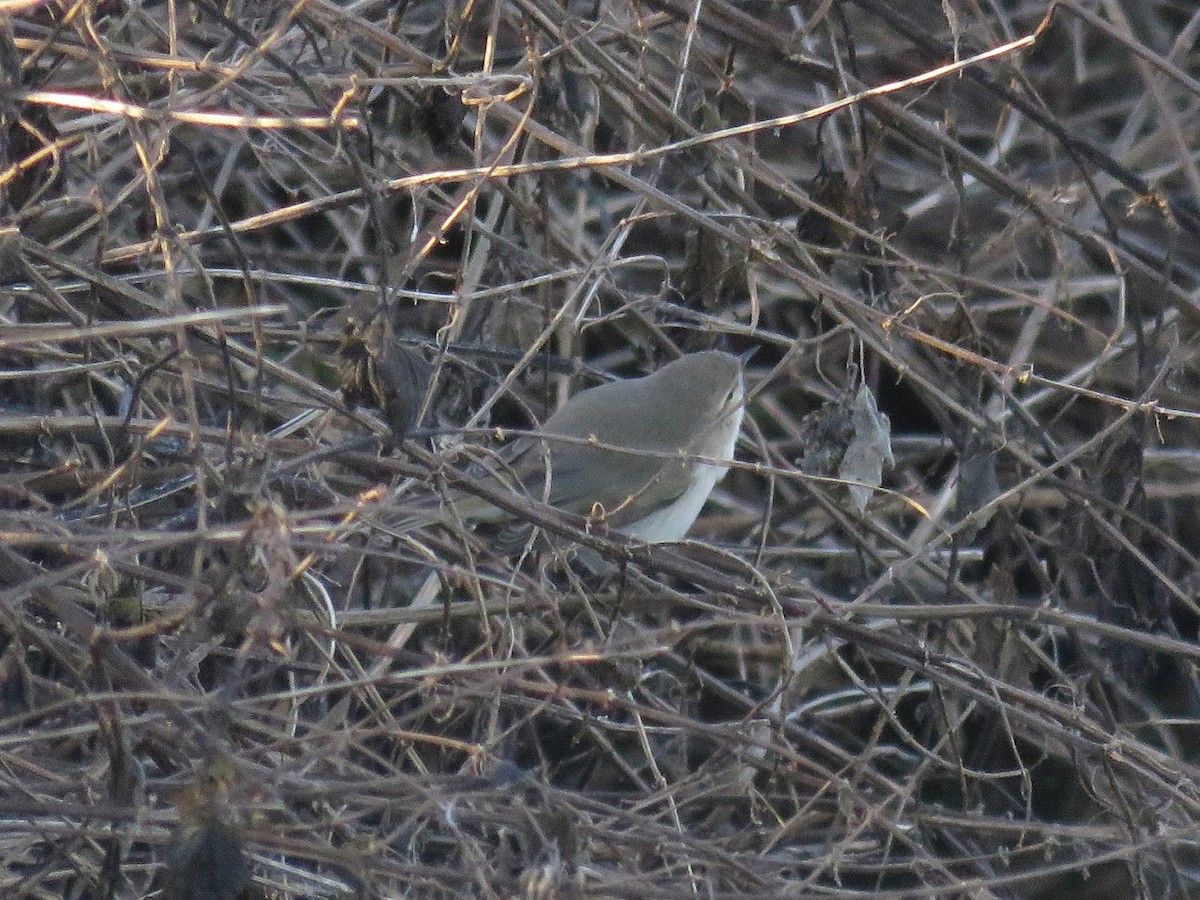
<point>632,452</point>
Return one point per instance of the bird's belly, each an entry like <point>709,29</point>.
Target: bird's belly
<point>671,523</point>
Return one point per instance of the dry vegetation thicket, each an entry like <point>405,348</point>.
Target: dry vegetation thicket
<point>274,273</point>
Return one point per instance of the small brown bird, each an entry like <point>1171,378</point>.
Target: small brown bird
<point>642,453</point>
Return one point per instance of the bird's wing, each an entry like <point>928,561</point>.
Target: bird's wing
<point>639,484</point>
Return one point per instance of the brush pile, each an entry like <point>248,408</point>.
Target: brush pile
<point>275,276</point>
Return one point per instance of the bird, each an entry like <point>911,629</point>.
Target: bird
<point>641,455</point>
